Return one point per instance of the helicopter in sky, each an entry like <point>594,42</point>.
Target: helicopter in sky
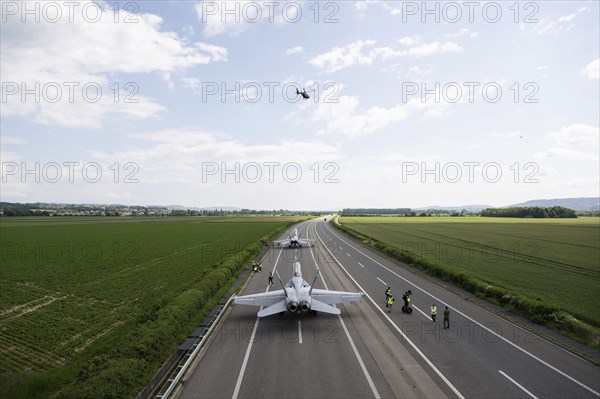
<point>302,93</point>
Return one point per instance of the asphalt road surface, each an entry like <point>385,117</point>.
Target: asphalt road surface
<point>368,351</point>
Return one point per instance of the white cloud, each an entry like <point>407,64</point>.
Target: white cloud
<point>576,134</point>
<point>409,40</point>
<point>345,117</point>
<point>356,53</point>
<point>509,136</point>
<point>362,6</point>
<point>342,57</point>
<point>566,154</point>
<point>192,83</point>
<point>584,136</point>
<point>567,18</point>
<point>180,153</point>
<point>294,50</point>
<point>592,70</point>
<point>416,72</point>
<point>6,140</point>
<point>233,18</point>
<point>87,53</point>
<point>549,26</point>
<point>463,32</point>
<point>433,48</point>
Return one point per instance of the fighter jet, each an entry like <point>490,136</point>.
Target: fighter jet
<point>298,296</point>
<point>303,93</point>
<point>294,240</point>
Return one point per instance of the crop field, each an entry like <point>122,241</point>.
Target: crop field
<point>72,287</point>
<point>554,262</point>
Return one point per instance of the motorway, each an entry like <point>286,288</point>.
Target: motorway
<point>369,352</point>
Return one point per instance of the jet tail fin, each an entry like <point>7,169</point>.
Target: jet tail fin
<point>280,282</point>
<point>313,283</point>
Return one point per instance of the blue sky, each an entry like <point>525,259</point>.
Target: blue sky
<point>452,104</point>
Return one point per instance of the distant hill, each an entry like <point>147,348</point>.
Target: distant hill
<point>577,204</point>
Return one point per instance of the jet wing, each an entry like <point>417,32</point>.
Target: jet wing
<point>306,241</point>
<point>263,299</point>
<point>331,297</point>
<point>280,243</point>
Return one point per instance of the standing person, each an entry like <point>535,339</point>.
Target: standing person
<point>390,302</point>
<point>406,299</point>
<point>446,318</point>
<point>271,278</point>
<point>388,292</point>
<point>433,312</point>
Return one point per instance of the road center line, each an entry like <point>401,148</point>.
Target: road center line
<point>384,283</point>
<point>299,332</point>
<point>517,384</point>
<point>360,264</point>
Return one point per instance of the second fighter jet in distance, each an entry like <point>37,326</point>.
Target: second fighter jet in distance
<point>294,240</point>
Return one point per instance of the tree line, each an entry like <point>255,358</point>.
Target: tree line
<point>530,212</point>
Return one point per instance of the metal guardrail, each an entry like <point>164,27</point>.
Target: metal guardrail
<point>187,359</point>
<point>175,375</point>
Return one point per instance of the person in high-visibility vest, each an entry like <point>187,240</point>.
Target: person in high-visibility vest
<point>388,292</point>
<point>390,302</point>
<point>433,312</point>
<point>406,298</point>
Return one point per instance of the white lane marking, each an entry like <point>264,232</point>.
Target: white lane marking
<point>240,378</point>
<point>299,332</point>
<point>347,254</point>
<point>435,369</point>
<point>423,313</point>
<point>358,357</point>
<point>517,384</point>
<point>384,283</point>
<point>360,264</point>
<point>481,325</point>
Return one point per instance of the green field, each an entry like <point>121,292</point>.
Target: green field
<point>555,262</point>
<point>80,297</point>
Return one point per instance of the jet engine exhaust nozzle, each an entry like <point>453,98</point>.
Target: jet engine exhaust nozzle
<point>304,306</point>
<point>292,306</point>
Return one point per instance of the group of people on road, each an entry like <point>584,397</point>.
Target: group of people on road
<point>389,301</point>
<point>256,265</point>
